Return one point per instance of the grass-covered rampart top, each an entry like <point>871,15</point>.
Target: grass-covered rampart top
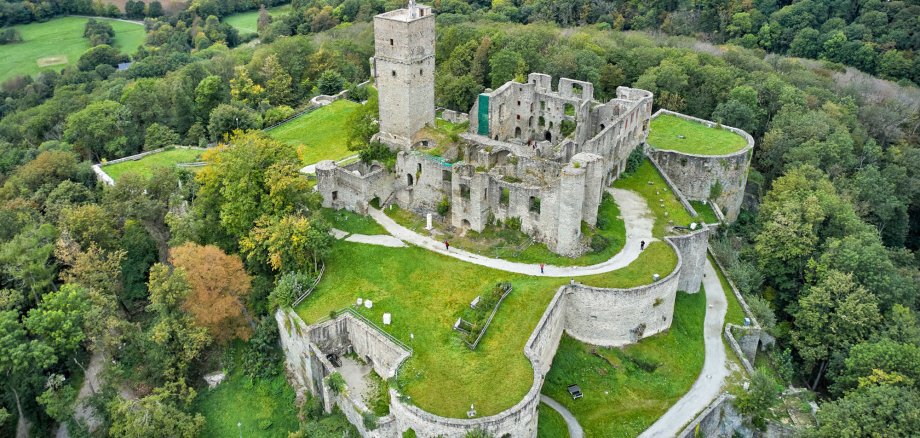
<point>146,165</point>
<point>59,42</point>
<point>674,133</point>
<point>248,22</point>
<point>319,135</point>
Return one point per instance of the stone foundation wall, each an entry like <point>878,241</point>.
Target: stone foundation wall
<point>695,175</point>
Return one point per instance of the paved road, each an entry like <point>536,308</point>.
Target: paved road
<point>636,216</point>
<point>708,385</point>
<point>570,421</point>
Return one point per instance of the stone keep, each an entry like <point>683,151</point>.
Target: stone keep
<point>403,70</point>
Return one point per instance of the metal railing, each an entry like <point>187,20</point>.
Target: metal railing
<point>304,295</point>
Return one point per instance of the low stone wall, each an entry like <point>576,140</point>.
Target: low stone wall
<point>695,175</point>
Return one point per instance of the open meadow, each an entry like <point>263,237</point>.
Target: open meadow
<point>58,43</point>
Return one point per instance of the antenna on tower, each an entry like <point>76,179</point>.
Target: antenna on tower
<point>413,11</point>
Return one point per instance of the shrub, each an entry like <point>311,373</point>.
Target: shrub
<point>513,223</point>
<point>336,383</point>
<point>288,288</point>
<point>715,190</point>
<point>443,206</point>
<point>378,151</point>
<point>599,243</point>
<point>276,115</point>
<point>634,161</point>
<point>369,420</point>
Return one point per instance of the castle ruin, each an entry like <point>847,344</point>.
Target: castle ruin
<point>532,153</point>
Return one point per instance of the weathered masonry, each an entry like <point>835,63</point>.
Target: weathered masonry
<point>403,71</point>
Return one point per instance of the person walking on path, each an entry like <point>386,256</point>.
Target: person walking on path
<point>446,246</point>
<point>541,268</point>
<point>642,245</point>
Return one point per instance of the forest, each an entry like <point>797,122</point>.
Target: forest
<point>825,250</point>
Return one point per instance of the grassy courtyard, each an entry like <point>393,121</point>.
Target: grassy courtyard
<point>677,134</point>
<point>706,213</point>
<point>319,135</point>
<point>57,43</point>
<point>352,223</point>
<point>247,22</point>
<point>146,165</point>
<point>426,292</point>
<point>651,185</point>
<point>627,389</point>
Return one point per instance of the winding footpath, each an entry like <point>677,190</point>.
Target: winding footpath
<point>708,385</point>
<point>571,422</point>
<point>633,208</point>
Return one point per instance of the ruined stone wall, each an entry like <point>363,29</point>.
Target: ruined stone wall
<point>692,249</point>
<point>423,177</point>
<point>352,187</point>
<point>695,175</point>
<point>349,334</point>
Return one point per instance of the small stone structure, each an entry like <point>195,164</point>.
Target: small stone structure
<point>695,175</point>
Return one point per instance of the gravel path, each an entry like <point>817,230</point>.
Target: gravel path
<point>633,208</point>
<point>708,385</point>
<point>376,239</point>
<point>570,420</point>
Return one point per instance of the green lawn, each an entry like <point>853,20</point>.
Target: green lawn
<point>146,165</point>
<point>705,211</point>
<point>426,292</point>
<point>352,223</point>
<point>61,38</point>
<point>247,22</point>
<point>666,131</point>
<point>629,388</point>
<point>319,135</point>
<point>550,424</point>
<point>254,403</point>
<point>735,313</point>
<point>651,185</point>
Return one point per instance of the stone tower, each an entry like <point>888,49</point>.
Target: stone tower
<point>403,70</point>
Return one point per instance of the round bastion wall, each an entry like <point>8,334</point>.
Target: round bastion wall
<point>695,175</point>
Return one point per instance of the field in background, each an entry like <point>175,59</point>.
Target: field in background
<point>57,43</point>
<point>246,22</point>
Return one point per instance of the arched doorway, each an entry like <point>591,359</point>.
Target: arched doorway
<point>409,178</point>
<point>517,132</point>
<point>548,136</point>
